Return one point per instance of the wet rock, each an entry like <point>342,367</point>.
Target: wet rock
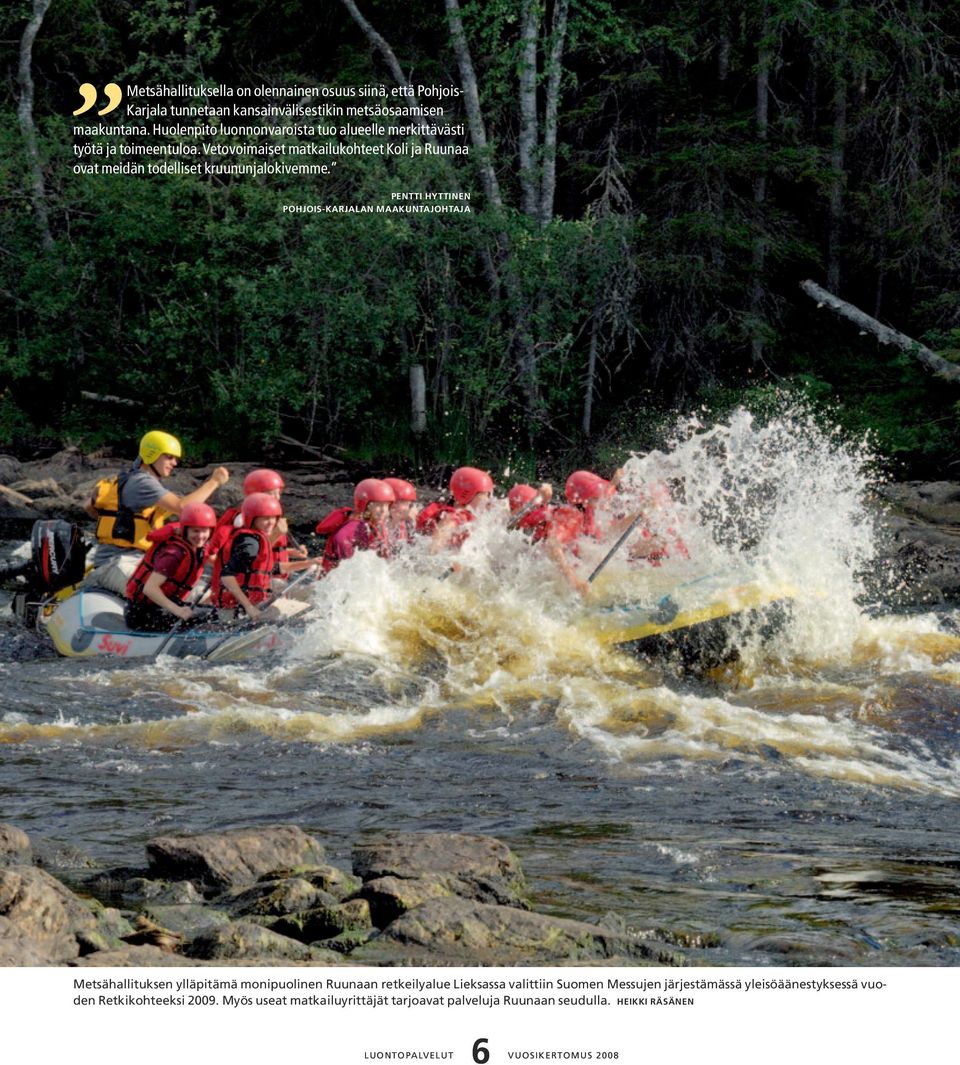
<point>10,469</point>
<point>111,928</point>
<point>328,878</point>
<point>275,898</point>
<point>326,922</point>
<point>484,867</point>
<point>62,464</point>
<point>234,858</point>
<point>26,646</point>
<point>242,939</point>
<point>161,892</point>
<point>15,848</point>
<point>45,486</point>
<point>186,921</point>
<point>128,957</point>
<point>14,506</point>
<point>935,501</point>
<point>16,948</point>
<point>390,897</point>
<point>147,932</point>
<point>919,558</point>
<point>41,909</point>
<point>60,506</point>
<point>61,857</point>
<point>345,942</point>
<point>478,933</point>
<point>123,884</point>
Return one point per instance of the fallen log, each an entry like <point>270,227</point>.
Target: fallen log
<point>936,364</point>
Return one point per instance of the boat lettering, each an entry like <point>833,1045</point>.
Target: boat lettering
<point>109,646</point>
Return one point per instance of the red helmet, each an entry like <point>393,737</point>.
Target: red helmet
<point>582,486</point>
<point>371,490</point>
<point>402,490</point>
<point>467,482</point>
<point>260,505</point>
<point>198,516</point>
<point>262,481</point>
<point>519,496</point>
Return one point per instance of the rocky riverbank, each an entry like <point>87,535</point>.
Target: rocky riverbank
<point>59,486</point>
<point>269,896</point>
<point>919,522</point>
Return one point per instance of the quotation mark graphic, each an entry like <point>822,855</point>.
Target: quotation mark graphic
<point>89,94</point>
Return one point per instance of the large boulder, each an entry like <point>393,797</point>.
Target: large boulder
<point>234,858</point>
<point>130,957</point>
<point>43,911</point>
<point>475,867</point>
<point>935,501</point>
<point>275,898</point>
<point>10,469</point>
<point>326,922</point>
<point>15,506</point>
<point>919,552</point>
<point>15,848</point>
<point>17,949</point>
<point>245,940</point>
<point>458,930</point>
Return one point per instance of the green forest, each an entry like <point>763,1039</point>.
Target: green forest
<point>651,183</point>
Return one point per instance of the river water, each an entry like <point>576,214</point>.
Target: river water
<point>797,806</point>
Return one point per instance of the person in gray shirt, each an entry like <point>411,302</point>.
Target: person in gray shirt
<point>127,507</point>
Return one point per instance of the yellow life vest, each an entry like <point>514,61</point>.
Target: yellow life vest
<point>119,525</point>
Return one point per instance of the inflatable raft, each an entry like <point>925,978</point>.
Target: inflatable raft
<point>90,624</point>
<point>700,619</point>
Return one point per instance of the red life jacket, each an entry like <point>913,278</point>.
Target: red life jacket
<point>225,527</point>
<point>429,518</point>
<point>254,582</point>
<point>375,538</point>
<point>221,534</point>
<point>536,524</point>
<point>186,575</point>
<point>329,527</point>
<point>569,523</point>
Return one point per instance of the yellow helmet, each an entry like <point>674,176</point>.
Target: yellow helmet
<point>157,443</point>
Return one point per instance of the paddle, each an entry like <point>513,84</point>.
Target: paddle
<point>524,511</point>
<point>616,547</point>
<point>540,498</point>
<point>251,629</point>
<point>179,625</point>
<point>310,571</point>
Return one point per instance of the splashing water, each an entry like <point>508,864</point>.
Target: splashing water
<point>492,699</point>
<point>781,504</point>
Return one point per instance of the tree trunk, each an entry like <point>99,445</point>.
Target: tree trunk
<point>391,60</point>
<point>930,360</point>
<point>471,98</point>
<point>764,62</point>
<point>589,384</point>
<point>418,401</point>
<point>838,144</point>
<point>838,182</point>
<point>551,109</point>
<point>27,126</point>
<point>528,137</point>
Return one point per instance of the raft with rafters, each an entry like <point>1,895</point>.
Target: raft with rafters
<point>701,619</point>
<point>90,624</point>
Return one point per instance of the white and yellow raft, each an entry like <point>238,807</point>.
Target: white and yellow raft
<point>700,616</point>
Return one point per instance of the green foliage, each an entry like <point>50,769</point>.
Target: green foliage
<point>238,324</point>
